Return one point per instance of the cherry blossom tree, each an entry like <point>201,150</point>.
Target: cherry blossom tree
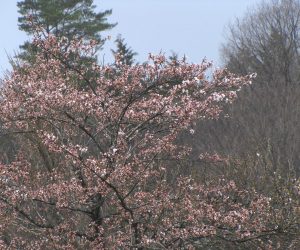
<point>93,164</point>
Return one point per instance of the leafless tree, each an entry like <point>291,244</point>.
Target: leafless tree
<point>266,116</point>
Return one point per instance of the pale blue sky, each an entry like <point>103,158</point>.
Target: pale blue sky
<point>191,27</point>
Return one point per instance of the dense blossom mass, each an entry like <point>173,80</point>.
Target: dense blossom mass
<point>96,149</point>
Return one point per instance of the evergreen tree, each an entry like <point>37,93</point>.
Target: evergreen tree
<point>123,53</point>
<point>67,18</point>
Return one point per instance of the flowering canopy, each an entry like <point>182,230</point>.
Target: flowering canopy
<point>96,147</point>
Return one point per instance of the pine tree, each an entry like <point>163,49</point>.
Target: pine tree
<point>123,53</point>
<point>67,18</point>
